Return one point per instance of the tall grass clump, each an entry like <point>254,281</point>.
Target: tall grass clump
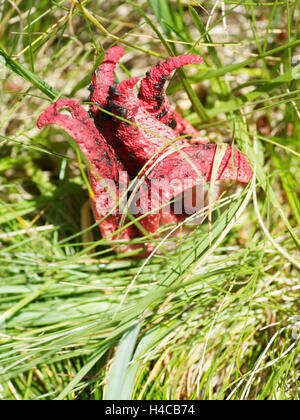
<point>216,317</point>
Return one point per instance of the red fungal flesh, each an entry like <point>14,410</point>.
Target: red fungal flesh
<point>104,77</point>
<point>138,139</point>
<point>151,127</point>
<point>128,84</point>
<point>153,96</point>
<point>142,138</point>
<point>104,162</point>
<point>79,126</point>
<point>155,80</point>
<point>177,166</point>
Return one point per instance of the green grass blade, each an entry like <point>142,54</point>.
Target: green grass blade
<point>29,76</point>
<point>117,385</point>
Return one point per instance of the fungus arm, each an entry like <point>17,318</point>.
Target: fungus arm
<point>104,77</point>
<point>153,96</point>
<point>105,167</point>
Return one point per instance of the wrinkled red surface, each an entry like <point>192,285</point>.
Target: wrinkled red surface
<point>104,77</point>
<point>152,93</point>
<point>104,163</point>
<point>143,133</point>
<point>153,96</point>
<point>79,126</point>
<point>193,161</point>
<point>144,137</point>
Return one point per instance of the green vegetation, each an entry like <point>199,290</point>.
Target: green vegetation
<point>218,316</point>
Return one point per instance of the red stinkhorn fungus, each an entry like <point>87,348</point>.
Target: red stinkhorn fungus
<point>140,139</point>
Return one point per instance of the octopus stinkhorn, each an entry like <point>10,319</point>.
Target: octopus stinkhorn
<point>140,137</point>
